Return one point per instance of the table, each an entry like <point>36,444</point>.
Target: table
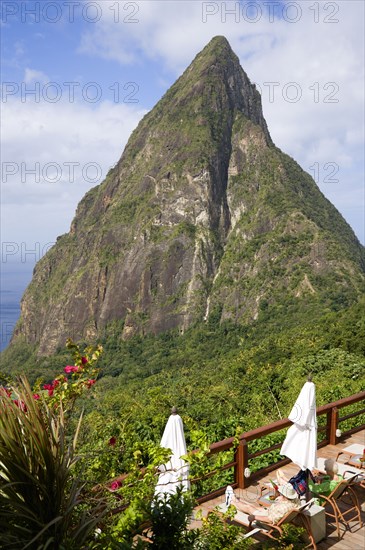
<point>266,493</point>
<point>317,519</point>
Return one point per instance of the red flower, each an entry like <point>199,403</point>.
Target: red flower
<point>115,485</point>
<point>90,383</point>
<point>51,387</point>
<point>84,360</point>
<point>70,369</point>
<point>35,395</point>
<point>112,441</point>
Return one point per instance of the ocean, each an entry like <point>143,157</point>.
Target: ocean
<point>14,278</point>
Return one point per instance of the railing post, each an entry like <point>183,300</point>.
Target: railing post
<point>333,425</point>
<point>241,458</point>
<point>328,426</point>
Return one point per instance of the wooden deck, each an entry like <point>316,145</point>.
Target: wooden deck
<point>354,539</point>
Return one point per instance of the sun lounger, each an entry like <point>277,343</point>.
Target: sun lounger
<point>273,531</point>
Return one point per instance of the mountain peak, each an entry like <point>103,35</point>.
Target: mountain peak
<point>201,216</point>
<point>219,45</point>
<point>218,40</point>
<point>217,53</point>
<point>217,78</point>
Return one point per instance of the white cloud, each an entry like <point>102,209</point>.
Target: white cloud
<point>31,75</point>
<point>40,188</point>
<point>161,31</point>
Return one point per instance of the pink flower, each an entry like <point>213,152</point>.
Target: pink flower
<point>70,368</point>
<point>115,485</point>
<point>51,387</point>
<point>90,383</point>
<point>84,360</point>
<point>35,395</point>
<point>112,441</point>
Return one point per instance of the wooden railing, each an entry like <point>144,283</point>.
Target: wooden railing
<point>242,454</point>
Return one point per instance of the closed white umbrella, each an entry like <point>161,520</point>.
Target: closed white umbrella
<point>175,472</point>
<point>300,444</point>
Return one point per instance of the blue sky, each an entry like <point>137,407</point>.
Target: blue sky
<point>119,58</point>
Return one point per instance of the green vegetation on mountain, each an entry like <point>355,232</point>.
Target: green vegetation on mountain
<point>220,375</point>
<point>201,214</point>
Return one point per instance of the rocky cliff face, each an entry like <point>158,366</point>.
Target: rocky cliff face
<point>202,213</point>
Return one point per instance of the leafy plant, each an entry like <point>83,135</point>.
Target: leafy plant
<point>42,504</point>
<point>169,521</point>
<point>216,533</point>
<point>293,538</point>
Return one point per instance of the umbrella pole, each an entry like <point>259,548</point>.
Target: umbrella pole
<point>307,481</point>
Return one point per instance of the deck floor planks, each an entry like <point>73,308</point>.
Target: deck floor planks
<point>352,540</point>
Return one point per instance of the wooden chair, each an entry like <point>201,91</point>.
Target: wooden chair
<point>274,530</point>
<point>343,493</point>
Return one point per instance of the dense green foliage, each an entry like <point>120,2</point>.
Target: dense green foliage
<point>224,379</point>
<point>46,499</point>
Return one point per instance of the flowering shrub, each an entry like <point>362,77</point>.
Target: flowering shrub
<point>43,504</point>
<point>76,379</point>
